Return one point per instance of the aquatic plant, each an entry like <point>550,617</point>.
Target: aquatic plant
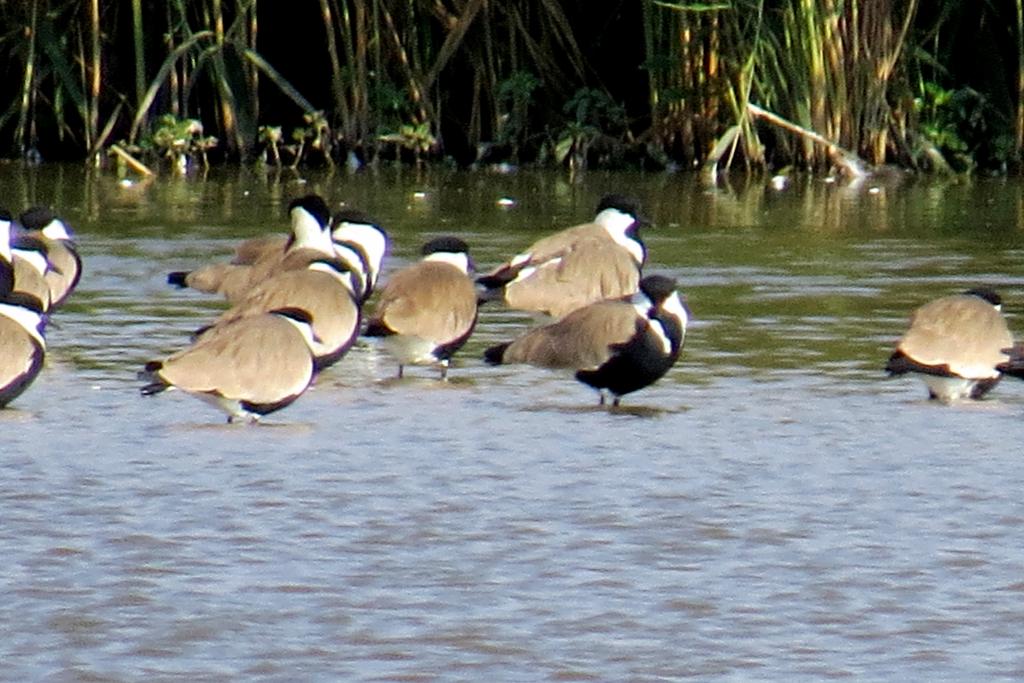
<point>515,94</point>
<point>415,138</point>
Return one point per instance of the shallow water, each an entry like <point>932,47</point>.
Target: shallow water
<point>772,509</point>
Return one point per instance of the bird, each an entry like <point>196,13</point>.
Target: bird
<point>427,310</point>
<point>22,344</point>
<point>24,263</point>
<point>956,344</point>
<point>324,289</point>
<point>575,267</point>
<point>65,269</point>
<point>358,239</point>
<point>616,346</point>
<point>355,231</point>
<point>309,240</point>
<point>31,266</point>
<point>247,368</point>
<point>6,256</point>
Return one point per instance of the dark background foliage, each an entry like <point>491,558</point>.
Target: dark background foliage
<point>615,82</point>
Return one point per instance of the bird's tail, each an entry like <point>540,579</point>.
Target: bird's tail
<point>1015,366</point>
<point>899,364</point>
<point>178,278</point>
<point>149,374</point>
<point>377,328</point>
<point>495,355</point>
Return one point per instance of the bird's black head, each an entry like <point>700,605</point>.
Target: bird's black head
<point>447,245</point>
<point>987,293</point>
<point>625,204</point>
<point>657,288</point>
<point>36,218</point>
<point>666,307</point>
<point>315,205</point>
<point>349,215</point>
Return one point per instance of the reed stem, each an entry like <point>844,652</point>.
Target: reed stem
<point>95,75</point>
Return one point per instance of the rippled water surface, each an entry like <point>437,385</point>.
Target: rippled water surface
<point>774,508</point>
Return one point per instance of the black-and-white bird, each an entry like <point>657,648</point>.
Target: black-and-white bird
<point>22,345</point>
<point>31,266</point>
<point>65,264</point>
<point>247,368</point>
<point>354,232</point>
<point>956,344</point>
<point>310,239</point>
<point>427,310</point>
<point>324,289</point>
<point>359,241</point>
<point>6,256</point>
<point>356,239</point>
<point>616,346</point>
<point>577,266</point>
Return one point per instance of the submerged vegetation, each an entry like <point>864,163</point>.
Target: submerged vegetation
<point>847,84</point>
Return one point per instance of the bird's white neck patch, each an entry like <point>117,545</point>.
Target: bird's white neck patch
<point>457,259</point>
<point>33,258</point>
<point>353,259</point>
<point>305,329</point>
<point>520,259</point>
<point>56,230</point>
<point>346,278</point>
<point>28,319</point>
<point>616,223</point>
<point>528,271</point>
<point>370,238</point>
<point>309,233</point>
<point>673,305</point>
<point>5,240</point>
<point>659,333</point>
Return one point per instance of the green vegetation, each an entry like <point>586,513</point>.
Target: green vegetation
<point>814,84</point>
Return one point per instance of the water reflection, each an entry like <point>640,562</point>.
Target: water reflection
<point>773,508</point>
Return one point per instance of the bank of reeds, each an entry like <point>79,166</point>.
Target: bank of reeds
<point>824,66</point>
<point>814,83</point>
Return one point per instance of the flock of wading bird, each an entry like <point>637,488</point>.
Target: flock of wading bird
<point>298,301</point>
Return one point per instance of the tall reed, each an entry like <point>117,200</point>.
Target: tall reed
<point>847,71</point>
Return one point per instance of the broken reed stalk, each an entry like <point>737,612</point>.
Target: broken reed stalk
<point>851,164</point>
<point>131,161</point>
